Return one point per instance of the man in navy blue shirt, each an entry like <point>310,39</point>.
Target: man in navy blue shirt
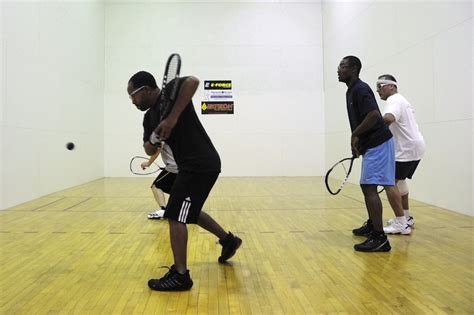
<point>372,139</point>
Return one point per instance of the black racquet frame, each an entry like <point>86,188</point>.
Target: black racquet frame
<point>348,172</point>
<point>174,62</point>
<point>144,159</point>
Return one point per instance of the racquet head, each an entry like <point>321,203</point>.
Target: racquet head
<point>168,95</point>
<point>137,166</point>
<point>338,175</point>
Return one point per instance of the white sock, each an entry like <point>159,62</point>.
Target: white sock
<point>407,213</point>
<point>402,220</point>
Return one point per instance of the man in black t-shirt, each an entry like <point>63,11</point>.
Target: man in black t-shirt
<point>372,139</point>
<point>198,163</point>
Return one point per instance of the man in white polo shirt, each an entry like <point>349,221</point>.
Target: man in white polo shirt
<point>399,115</point>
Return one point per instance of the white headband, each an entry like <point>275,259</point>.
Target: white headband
<point>382,81</point>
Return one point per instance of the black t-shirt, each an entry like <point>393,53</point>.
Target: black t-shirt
<point>360,101</point>
<point>192,148</point>
<point>151,120</point>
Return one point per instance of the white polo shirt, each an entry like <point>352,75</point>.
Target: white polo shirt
<point>409,143</point>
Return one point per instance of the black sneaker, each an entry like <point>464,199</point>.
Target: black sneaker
<point>229,246</point>
<point>375,243</point>
<point>365,229</point>
<point>172,281</point>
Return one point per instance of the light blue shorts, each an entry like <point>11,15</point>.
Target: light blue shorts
<point>378,165</point>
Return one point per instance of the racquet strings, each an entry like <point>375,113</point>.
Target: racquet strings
<point>136,168</point>
<point>338,175</point>
<point>172,70</point>
<point>173,66</point>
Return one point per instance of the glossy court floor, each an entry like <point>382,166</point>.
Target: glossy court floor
<point>91,250</point>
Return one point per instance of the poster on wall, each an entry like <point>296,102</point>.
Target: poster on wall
<point>217,97</point>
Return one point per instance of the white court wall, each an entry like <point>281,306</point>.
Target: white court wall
<point>2,101</point>
<point>52,92</point>
<point>427,46</point>
<point>65,65</point>
<point>272,52</point>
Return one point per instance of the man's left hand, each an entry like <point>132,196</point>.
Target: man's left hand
<point>354,146</point>
<point>166,127</point>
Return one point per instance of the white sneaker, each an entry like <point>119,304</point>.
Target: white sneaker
<point>410,221</point>
<point>158,214</point>
<point>397,228</point>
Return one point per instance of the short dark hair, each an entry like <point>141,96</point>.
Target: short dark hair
<point>142,78</point>
<point>388,77</point>
<point>354,61</point>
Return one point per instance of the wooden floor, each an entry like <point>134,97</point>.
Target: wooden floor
<point>91,250</point>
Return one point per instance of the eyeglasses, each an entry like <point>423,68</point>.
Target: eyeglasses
<point>342,67</point>
<point>136,91</point>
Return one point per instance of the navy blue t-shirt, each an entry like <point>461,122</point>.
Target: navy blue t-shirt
<point>192,148</point>
<point>360,101</point>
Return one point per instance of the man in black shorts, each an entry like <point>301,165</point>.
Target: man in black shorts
<point>399,115</point>
<point>199,166</point>
<point>164,181</point>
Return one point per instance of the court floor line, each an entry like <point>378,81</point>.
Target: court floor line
<point>48,204</point>
<point>205,232</point>
<point>218,210</point>
<point>79,203</point>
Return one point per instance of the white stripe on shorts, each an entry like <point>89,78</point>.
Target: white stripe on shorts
<point>183,213</point>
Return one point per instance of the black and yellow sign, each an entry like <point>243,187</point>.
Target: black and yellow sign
<point>217,107</point>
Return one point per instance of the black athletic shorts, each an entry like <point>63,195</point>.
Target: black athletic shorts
<point>164,181</point>
<point>404,170</point>
<point>189,192</point>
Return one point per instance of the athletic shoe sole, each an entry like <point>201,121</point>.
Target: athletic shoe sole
<point>155,218</point>
<point>385,247</point>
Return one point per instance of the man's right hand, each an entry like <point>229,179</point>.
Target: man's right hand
<point>355,146</point>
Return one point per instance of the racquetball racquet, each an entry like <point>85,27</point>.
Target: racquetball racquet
<point>168,92</point>
<point>172,70</point>
<point>137,168</point>
<point>338,175</point>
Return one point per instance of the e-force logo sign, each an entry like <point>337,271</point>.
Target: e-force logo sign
<point>218,85</point>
